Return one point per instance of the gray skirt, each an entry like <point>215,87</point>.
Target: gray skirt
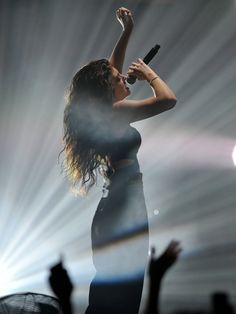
<point>120,246</point>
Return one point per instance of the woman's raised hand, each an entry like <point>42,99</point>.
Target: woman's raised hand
<point>141,70</point>
<point>125,18</point>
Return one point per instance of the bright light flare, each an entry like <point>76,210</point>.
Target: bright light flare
<point>234,155</point>
<point>6,278</point>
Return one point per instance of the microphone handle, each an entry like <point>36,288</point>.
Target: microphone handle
<point>151,54</point>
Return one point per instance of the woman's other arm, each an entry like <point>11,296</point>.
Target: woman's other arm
<point>117,57</point>
<point>163,98</point>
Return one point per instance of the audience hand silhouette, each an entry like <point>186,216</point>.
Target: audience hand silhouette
<point>158,266</point>
<point>62,286</point>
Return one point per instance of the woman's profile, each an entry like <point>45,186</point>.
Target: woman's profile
<point>100,141</point>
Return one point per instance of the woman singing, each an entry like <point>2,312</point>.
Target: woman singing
<point>99,140</point>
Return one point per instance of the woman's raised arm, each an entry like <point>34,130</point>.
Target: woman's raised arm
<point>117,57</point>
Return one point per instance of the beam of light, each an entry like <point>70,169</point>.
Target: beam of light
<point>7,276</point>
<point>187,149</point>
<point>126,270</point>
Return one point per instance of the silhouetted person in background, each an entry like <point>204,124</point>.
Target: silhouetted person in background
<point>62,286</point>
<point>220,303</point>
<point>157,269</point>
<point>29,303</point>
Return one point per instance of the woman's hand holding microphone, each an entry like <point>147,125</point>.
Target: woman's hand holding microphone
<point>142,71</point>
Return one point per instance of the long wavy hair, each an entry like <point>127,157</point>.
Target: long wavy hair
<point>87,124</point>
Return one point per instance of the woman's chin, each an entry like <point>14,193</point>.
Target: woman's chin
<point>128,91</point>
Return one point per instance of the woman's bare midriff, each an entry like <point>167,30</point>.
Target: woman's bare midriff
<point>123,163</point>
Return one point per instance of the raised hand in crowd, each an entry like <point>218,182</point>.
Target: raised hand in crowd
<point>62,286</point>
<point>157,269</point>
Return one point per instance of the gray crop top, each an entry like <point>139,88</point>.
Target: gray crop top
<point>123,147</point>
<point>126,147</point>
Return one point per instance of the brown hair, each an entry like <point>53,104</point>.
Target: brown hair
<point>86,123</point>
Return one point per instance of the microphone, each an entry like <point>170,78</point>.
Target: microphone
<point>151,54</point>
